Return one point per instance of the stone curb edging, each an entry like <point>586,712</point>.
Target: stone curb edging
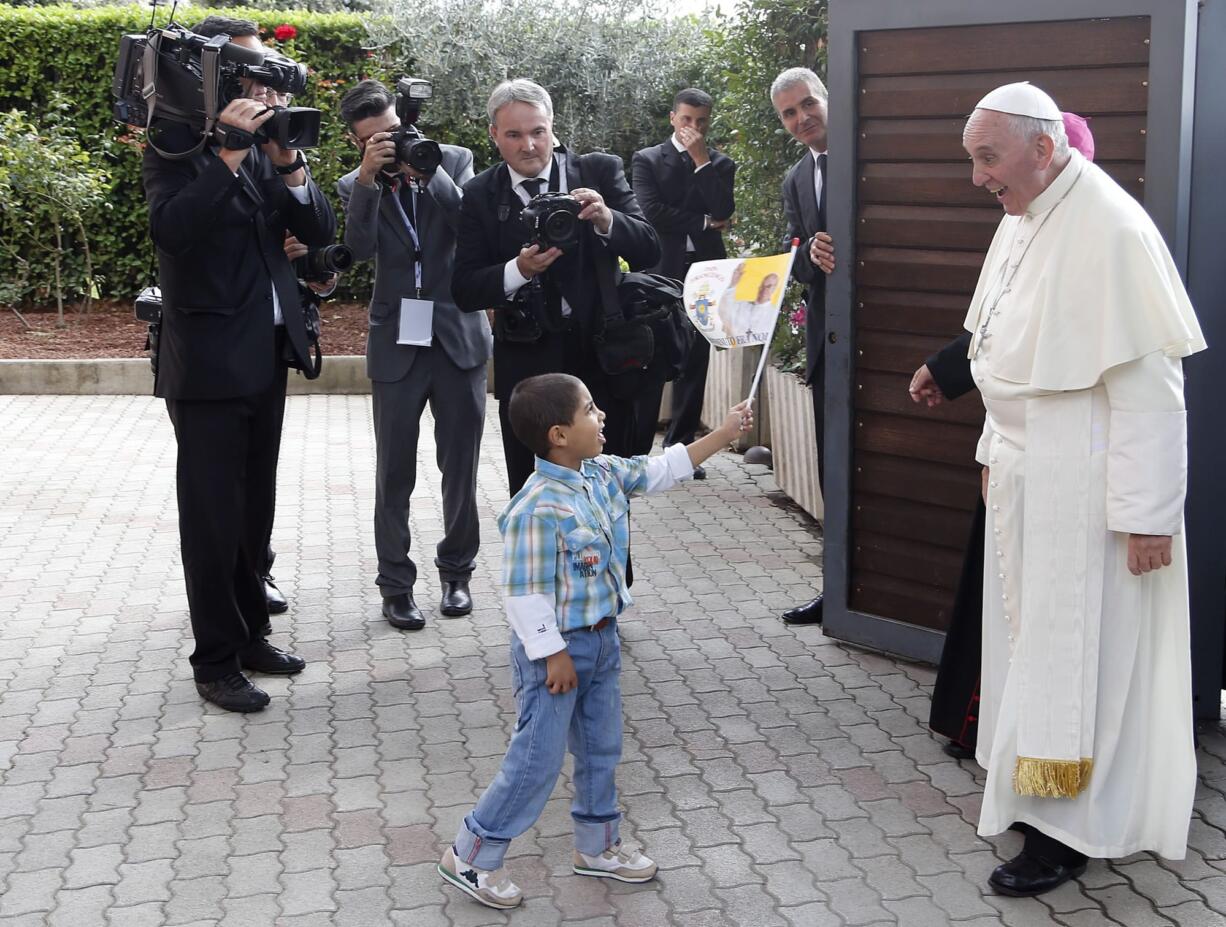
<point>132,377</point>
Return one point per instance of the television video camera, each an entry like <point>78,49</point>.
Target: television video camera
<point>413,148</point>
<point>172,74</point>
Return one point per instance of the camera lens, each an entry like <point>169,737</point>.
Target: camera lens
<point>425,156</point>
<point>561,226</point>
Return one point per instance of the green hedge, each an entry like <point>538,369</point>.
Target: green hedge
<point>71,51</point>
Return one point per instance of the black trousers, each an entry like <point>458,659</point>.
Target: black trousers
<point>1041,846</point>
<point>226,478</point>
<point>955,694</point>
<point>688,390</point>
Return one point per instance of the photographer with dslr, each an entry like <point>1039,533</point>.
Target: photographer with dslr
<point>402,206</point>
<point>539,276</point>
<point>232,322</point>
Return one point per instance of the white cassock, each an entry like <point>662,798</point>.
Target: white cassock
<point>1079,325</point>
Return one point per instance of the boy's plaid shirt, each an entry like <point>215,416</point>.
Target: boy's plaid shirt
<point>566,534</point>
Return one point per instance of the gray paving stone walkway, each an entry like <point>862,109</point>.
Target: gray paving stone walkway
<point>776,776</point>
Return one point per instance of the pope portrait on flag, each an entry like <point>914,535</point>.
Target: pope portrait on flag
<point>734,303</point>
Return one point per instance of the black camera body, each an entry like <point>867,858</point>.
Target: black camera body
<point>551,220</point>
<point>319,264</point>
<point>415,150</point>
<point>412,147</point>
<point>173,75</point>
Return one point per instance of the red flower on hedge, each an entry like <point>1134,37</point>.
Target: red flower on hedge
<point>285,32</point>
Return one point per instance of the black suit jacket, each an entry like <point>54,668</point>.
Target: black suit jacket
<point>490,234</point>
<point>951,368</point>
<point>677,200</point>
<point>220,240</point>
<point>800,209</point>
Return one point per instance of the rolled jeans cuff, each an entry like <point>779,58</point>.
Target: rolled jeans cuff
<point>594,837</point>
<point>482,852</point>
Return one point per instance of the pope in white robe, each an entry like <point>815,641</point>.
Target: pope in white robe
<point>1079,323</point>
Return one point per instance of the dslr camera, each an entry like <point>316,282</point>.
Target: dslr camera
<point>551,220</point>
<point>413,148</point>
<point>319,264</point>
<point>173,75</point>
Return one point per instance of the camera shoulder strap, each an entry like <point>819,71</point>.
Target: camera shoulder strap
<point>209,57</point>
<point>605,269</point>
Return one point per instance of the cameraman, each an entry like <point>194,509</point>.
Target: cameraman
<point>420,348</point>
<point>493,264</point>
<point>231,317</point>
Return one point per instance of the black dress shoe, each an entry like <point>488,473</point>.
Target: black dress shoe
<point>1026,875</point>
<point>233,693</point>
<point>456,600</point>
<point>262,657</point>
<point>958,751</point>
<point>700,473</point>
<point>402,612</point>
<point>274,598</point>
<point>809,613</point>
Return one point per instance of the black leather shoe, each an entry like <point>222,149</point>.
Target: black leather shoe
<point>456,600</point>
<point>262,657</point>
<point>1025,875</point>
<point>402,612</point>
<point>700,473</point>
<point>809,613</point>
<point>274,598</point>
<point>233,693</point>
<point>957,751</point>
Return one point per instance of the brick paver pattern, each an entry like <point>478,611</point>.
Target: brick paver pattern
<point>777,776</point>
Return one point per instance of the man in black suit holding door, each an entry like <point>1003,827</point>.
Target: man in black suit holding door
<point>493,263</point>
<point>686,191</point>
<point>230,316</point>
<point>799,97</point>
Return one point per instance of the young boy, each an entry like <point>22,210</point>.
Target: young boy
<point>565,537</point>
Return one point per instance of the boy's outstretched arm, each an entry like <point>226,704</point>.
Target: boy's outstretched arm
<point>738,419</point>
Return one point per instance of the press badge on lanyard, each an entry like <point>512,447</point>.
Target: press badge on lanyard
<point>416,315</point>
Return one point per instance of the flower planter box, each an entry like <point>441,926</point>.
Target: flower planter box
<point>729,377</point>
<point>793,442</point>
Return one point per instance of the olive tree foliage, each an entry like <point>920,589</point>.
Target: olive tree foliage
<point>49,185</point>
<point>762,38</point>
<point>611,66</point>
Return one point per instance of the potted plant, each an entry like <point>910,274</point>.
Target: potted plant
<point>793,442</point>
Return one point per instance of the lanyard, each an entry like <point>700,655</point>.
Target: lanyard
<point>417,253</point>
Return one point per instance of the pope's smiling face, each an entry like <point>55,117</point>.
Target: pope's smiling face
<point>1005,164</point>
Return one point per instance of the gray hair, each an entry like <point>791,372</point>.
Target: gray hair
<point>519,90</point>
<point>793,76</point>
<point>1029,128</point>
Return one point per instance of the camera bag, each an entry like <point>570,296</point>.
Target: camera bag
<point>643,340</point>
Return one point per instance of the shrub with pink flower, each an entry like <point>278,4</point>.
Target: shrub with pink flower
<point>788,344</point>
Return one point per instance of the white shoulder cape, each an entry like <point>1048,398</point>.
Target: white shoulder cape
<point>1101,290</point>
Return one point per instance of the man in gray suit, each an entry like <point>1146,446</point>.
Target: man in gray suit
<point>420,349</point>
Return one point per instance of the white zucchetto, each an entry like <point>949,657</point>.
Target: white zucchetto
<point>1021,99</point>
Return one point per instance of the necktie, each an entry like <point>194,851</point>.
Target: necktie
<point>821,197</point>
<point>533,186</point>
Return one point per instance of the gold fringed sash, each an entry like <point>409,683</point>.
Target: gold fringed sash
<point>1051,778</point>
<point>1056,655</point>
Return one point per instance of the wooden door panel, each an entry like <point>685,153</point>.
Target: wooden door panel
<point>1085,44</point>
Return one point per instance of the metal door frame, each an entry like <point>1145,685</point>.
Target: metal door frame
<point>1168,153</point>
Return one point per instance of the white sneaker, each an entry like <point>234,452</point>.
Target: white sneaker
<point>617,862</point>
<point>493,889</point>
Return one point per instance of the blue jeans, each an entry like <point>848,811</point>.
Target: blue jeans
<point>588,719</point>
